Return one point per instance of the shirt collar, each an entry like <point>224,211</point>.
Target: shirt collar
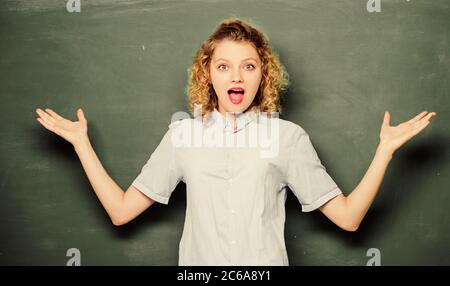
<point>242,120</point>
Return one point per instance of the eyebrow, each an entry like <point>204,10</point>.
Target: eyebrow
<point>242,60</point>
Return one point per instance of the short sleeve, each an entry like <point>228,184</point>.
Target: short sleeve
<point>306,176</point>
<point>160,175</point>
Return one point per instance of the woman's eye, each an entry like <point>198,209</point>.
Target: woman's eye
<point>222,67</point>
<point>249,66</point>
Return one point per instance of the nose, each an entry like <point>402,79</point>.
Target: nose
<point>237,76</point>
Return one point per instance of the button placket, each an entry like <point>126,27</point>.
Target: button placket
<point>233,238</point>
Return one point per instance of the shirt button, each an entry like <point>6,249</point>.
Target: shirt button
<point>233,241</point>
<point>232,211</point>
<point>230,181</point>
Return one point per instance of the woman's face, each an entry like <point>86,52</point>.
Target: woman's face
<point>235,72</point>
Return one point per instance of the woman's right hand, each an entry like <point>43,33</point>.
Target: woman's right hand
<point>73,132</point>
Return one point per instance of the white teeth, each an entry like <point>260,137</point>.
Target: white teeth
<point>236,91</point>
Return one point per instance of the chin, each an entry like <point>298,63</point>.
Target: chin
<point>237,108</point>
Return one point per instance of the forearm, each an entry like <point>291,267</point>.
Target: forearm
<point>360,199</point>
<point>348,212</point>
<point>108,192</point>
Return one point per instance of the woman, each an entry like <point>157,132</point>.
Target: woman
<point>235,197</point>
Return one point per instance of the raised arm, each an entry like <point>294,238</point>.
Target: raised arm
<point>348,212</point>
<point>121,206</point>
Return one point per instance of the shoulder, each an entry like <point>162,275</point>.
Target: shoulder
<point>180,124</point>
<point>290,129</point>
<point>291,126</point>
<point>289,133</point>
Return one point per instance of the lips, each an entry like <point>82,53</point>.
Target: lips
<point>236,95</point>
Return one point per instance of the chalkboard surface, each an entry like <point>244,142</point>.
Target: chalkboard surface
<point>125,63</point>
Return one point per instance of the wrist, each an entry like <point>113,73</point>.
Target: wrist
<point>384,150</point>
<point>82,143</point>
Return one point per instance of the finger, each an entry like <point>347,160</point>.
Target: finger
<point>47,118</point>
<point>421,127</point>
<point>420,124</point>
<point>386,119</point>
<point>425,119</point>
<point>80,115</point>
<point>53,114</point>
<point>433,114</point>
<point>46,125</point>
<point>417,117</point>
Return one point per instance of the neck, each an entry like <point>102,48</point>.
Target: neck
<point>229,116</point>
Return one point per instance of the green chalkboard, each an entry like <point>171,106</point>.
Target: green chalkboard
<point>125,63</point>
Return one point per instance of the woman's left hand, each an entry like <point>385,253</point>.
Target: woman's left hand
<point>392,137</point>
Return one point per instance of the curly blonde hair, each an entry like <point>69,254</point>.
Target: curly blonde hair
<point>274,79</point>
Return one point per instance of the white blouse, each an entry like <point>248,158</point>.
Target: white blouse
<point>235,193</point>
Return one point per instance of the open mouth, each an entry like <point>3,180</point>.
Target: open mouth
<point>236,94</point>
